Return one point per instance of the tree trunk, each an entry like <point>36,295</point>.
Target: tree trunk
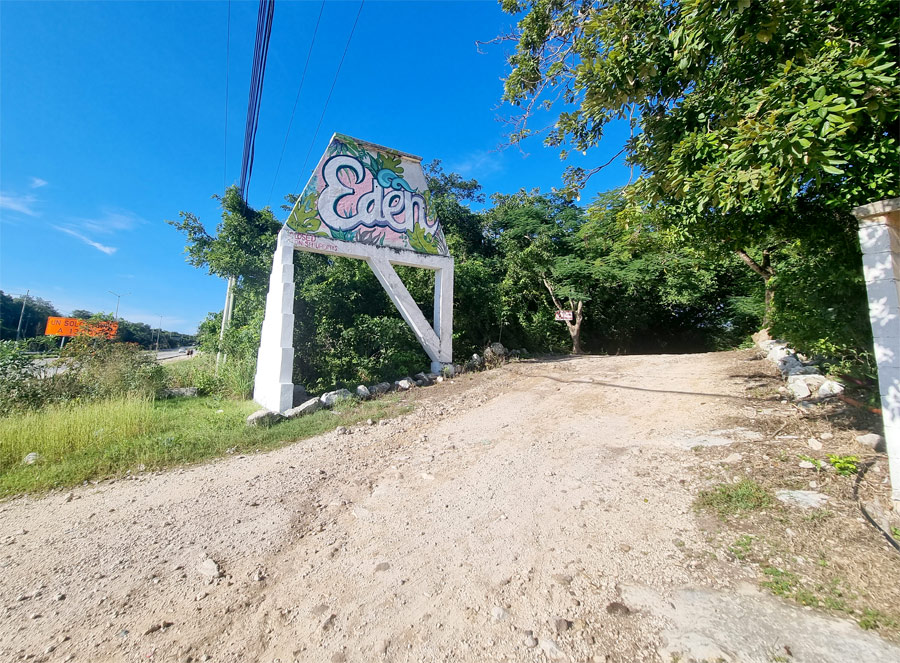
<point>574,327</point>
<point>770,297</point>
<point>765,272</point>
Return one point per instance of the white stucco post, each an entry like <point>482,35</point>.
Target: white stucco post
<point>879,238</point>
<point>443,314</point>
<point>274,387</point>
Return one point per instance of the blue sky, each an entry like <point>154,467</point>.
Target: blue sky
<point>112,119</point>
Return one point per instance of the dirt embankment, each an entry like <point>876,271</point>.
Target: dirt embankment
<point>541,511</point>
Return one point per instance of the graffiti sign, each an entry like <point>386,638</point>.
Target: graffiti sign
<point>364,193</point>
<point>370,203</point>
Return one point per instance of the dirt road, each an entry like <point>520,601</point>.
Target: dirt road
<point>541,511</point>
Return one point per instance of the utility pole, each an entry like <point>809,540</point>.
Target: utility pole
<point>226,319</point>
<point>21,314</point>
<point>118,297</point>
<point>158,331</point>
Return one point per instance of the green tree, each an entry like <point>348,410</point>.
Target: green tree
<point>536,235</point>
<point>654,292</point>
<point>755,124</point>
<point>735,105</point>
<point>242,246</point>
<point>34,318</point>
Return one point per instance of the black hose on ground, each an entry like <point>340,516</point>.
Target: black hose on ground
<point>859,476</point>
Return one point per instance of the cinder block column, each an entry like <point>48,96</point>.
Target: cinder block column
<point>274,387</point>
<point>879,238</point>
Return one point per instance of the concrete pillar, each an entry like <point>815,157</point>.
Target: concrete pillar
<point>879,237</point>
<point>443,315</point>
<point>274,386</point>
<point>409,310</point>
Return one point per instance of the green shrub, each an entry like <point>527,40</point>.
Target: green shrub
<point>236,375</point>
<point>820,306</point>
<point>844,465</point>
<point>235,378</point>
<point>107,369</point>
<point>18,383</point>
<point>372,349</point>
<point>199,372</point>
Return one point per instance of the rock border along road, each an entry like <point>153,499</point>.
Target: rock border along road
<point>530,513</point>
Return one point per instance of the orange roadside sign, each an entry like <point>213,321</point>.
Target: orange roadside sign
<point>63,326</point>
<point>74,326</point>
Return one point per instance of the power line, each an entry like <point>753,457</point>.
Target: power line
<point>333,83</point>
<point>227,59</point>
<point>264,17</point>
<point>296,99</point>
<point>260,52</point>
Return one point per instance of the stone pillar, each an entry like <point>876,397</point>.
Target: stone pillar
<point>274,386</point>
<point>879,237</point>
<point>443,315</point>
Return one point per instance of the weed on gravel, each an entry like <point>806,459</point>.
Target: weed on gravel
<point>92,441</point>
<point>729,499</point>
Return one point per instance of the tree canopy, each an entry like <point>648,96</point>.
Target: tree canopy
<point>741,105</point>
<point>242,246</point>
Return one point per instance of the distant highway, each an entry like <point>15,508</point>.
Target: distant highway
<point>48,367</point>
<point>174,353</point>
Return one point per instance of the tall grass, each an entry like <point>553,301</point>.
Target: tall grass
<point>74,441</point>
<point>237,376</point>
<point>234,379</point>
<point>89,441</point>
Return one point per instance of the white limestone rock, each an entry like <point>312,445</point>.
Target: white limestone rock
<point>829,389</point>
<point>333,397</point>
<point>872,441</point>
<point>788,364</point>
<point>499,349</point>
<point>805,499</point>
<point>798,390</point>
<point>804,386</point>
<point>803,370</point>
<point>264,417</point>
<point>310,406</point>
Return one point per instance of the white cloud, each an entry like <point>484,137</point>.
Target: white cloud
<point>111,221</point>
<point>108,250</point>
<point>37,182</point>
<point>478,164</point>
<point>21,204</point>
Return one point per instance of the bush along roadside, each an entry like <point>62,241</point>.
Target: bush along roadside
<point>89,369</point>
<point>494,355</point>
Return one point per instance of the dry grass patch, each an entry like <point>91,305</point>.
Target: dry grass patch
<point>828,558</point>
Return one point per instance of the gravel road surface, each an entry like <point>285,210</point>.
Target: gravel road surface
<point>538,512</point>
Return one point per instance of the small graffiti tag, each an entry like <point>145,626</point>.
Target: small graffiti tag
<point>367,194</point>
<point>307,241</point>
